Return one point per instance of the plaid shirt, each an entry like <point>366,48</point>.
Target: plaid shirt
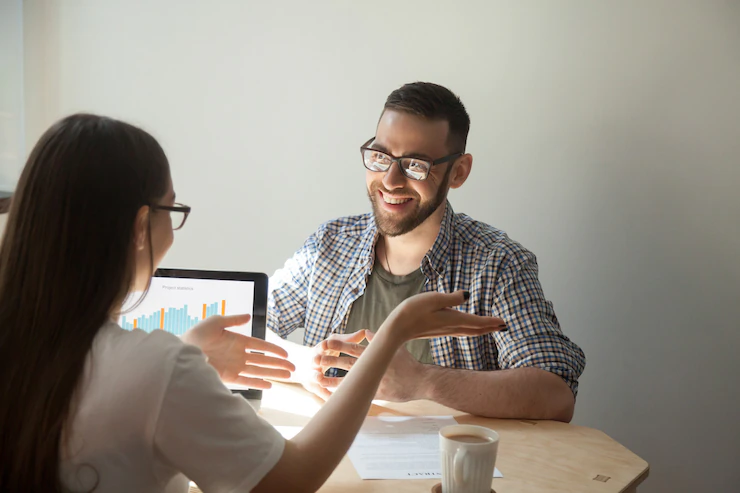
<point>317,286</point>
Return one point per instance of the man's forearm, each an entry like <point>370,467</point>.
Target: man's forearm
<point>529,393</point>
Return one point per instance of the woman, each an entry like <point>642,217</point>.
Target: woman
<point>88,406</point>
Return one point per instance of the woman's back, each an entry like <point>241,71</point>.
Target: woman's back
<point>150,408</point>
<point>68,259</point>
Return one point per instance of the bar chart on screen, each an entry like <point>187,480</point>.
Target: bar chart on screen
<point>175,320</point>
<point>175,305</point>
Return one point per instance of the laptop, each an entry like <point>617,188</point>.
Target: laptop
<point>180,298</point>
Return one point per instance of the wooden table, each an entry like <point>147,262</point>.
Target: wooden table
<point>533,456</point>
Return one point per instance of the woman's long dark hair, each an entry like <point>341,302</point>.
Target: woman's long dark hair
<point>66,260</point>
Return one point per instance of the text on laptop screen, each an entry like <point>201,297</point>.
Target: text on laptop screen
<point>176,304</point>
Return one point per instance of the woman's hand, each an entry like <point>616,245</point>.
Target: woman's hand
<point>428,315</point>
<point>233,356</point>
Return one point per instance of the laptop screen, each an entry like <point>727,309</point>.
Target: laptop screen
<point>179,298</point>
<point>176,304</point>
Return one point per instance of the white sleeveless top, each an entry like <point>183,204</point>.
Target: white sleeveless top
<point>152,414</point>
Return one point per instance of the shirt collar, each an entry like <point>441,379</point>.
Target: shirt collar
<point>366,260</point>
<point>438,256</point>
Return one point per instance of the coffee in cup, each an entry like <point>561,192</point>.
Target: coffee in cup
<point>470,438</point>
<point>468,455</point>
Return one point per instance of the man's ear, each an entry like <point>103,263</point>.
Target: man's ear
<point>141,229</point>
<point>461,170</point>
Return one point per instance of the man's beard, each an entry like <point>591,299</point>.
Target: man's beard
<point>389,226</point>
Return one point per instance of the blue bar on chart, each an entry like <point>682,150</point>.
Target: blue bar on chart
<point>174,320</point>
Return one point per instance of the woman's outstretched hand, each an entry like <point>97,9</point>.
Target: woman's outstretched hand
<point>237,357</point>
<point>428,315</point>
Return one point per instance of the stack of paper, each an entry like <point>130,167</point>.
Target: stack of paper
<point>400,447</point>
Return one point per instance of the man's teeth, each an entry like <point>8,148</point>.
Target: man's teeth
<point>391,200</point>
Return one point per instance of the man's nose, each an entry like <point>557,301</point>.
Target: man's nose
<point>394,177</point>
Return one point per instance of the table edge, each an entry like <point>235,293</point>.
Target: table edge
<point>638,480</point>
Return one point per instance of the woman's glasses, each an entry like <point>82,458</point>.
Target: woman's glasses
<point>178,212</point>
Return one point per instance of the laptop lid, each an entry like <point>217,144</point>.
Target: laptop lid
<point>180,298</point>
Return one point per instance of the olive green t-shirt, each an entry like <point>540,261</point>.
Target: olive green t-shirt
<point>385,291</point>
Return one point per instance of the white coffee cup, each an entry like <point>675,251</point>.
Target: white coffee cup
<point>468,455</point>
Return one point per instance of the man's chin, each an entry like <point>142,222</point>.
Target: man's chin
<point>390,223</point>
<point>393,229</point>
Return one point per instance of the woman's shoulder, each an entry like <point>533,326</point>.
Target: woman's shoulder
<point>134,359</point>
<point>130,372</point>
<point>127,378</point>
<point>113,338</point>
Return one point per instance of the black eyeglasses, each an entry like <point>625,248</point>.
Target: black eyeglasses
<point>411,167</point>
<point>178,212</point>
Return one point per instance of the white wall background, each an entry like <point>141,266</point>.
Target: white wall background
<point>12,144</point>
<point>606,138</point>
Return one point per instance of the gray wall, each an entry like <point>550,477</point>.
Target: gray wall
<point>606,138</point>
<point>11,92</point>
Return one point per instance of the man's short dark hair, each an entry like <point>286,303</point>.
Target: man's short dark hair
<point>433,102</point>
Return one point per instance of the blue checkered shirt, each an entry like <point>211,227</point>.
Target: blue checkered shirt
<point>317,286</point>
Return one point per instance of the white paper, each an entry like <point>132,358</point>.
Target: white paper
<point>400,447</point>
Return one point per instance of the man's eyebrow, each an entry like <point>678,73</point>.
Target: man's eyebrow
<point>378,147</point>
<point>417,155</point>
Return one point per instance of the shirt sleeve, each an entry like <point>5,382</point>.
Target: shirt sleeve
<point>534,337</point>
<point>212,436</point>
<point>288,290</point>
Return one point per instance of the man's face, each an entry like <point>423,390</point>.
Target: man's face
<point>401,204</point>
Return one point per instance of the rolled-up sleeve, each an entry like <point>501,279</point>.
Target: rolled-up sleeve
<point>534,338</point>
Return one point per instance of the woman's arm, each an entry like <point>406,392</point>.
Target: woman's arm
<point>310,457</point>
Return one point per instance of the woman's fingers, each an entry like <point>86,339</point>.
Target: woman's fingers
<point>251,383</point>
<point>254,344</point>
<point>449,322</point>
<point>262,360</point>
<point>451,316</point>
<point>433,301</point>
<point>262,372</point>
<point>232,320</point>
<point>465,331</point>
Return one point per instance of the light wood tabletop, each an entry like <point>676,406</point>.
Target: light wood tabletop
<point>533,456</point>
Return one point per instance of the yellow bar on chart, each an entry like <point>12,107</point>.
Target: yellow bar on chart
<point>134,323</point>
<point>204,311</point>
<point>161,320</point>
<point>223,307</point>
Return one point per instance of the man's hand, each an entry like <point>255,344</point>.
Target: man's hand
<point>307,361</point>
<point>231,353</point>
<point>402,377</point>
<point>332,347</point>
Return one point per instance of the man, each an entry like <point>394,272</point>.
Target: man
<point>353,271</point>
